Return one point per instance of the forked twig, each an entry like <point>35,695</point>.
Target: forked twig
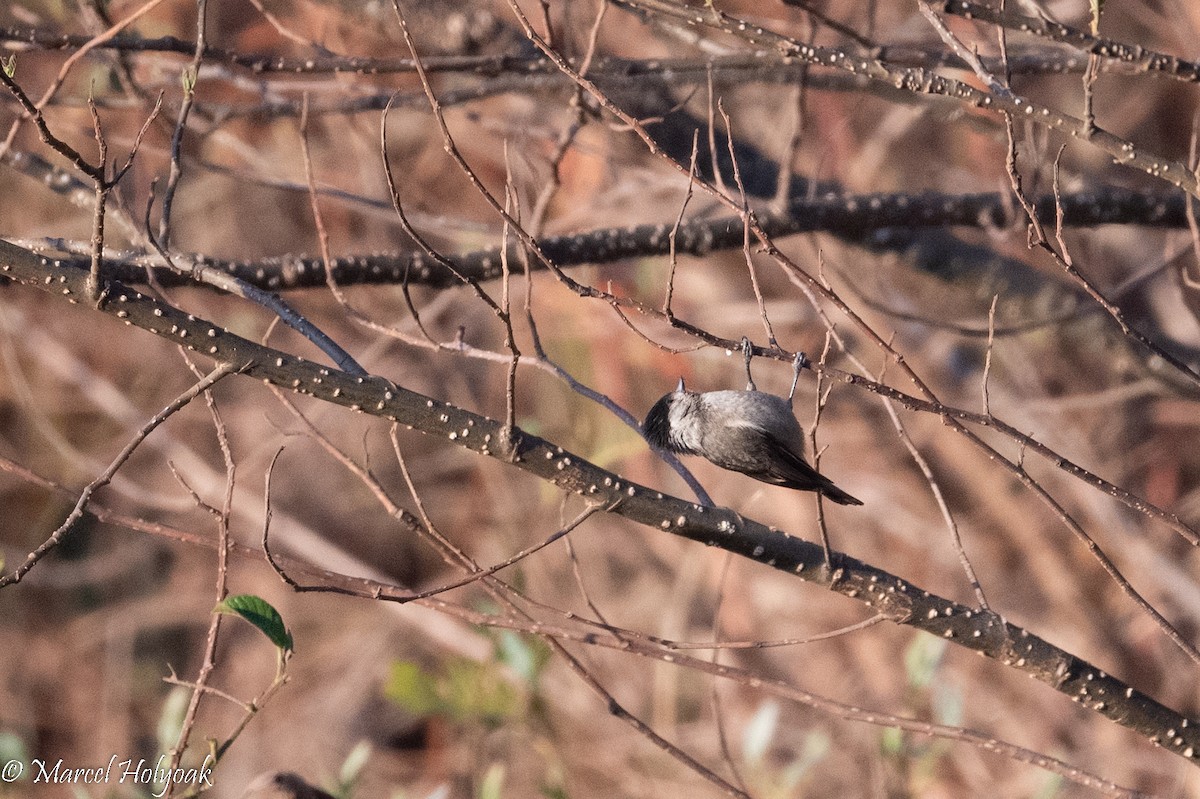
<point>196,389</point>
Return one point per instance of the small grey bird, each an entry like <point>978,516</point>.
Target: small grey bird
<point>751,432</point>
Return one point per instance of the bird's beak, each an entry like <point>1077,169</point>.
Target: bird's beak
<point>679,389</point>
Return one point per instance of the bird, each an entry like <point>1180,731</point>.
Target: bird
<point>750,431</point>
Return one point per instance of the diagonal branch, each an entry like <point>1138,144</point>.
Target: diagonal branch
<point>893,597</point>
<point>923,81</point>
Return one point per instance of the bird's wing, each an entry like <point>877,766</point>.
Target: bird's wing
<point>790,469</point>
<point>782,466</point>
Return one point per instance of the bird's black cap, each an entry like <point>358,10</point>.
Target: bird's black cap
<point>657,427</point>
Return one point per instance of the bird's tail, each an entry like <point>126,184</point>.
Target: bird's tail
<point>835,494</point>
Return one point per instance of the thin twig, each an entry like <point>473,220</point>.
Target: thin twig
<point>56,538</point>
<point>272,302</point>
<point>748,219</point>
<point>911,79</point>
<point>885,593</point>
<point>790,267</point>
<point>987,358</point>
<point>672,257</point>
<point>208,659</point>
<point>190,78</point>
<point>995,86</point>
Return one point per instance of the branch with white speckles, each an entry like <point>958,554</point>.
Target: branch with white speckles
<point>1133,55</point>
<point>923,81</point>
<point>855,217</point>
<point>895,598</point>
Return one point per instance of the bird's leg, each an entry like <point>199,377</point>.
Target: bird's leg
<point>798,363</point>
<point>748,353</point>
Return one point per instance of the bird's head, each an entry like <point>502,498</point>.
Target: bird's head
<point>663,422</point>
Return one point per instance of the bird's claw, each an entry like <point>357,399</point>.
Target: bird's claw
<point>799,362</point>
<point>748,353</point>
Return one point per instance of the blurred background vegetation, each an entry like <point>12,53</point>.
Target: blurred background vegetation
<point>407,701</point>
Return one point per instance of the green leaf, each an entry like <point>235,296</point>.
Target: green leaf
<point>517,655</point>
<point>170,718</point>
<point>462,690</point>
<point>525,655</point>
<point>493,782</point>
<point>816,746</point>
<point>1050,788</point>
<point>12,747</point>
<point>188,79</point>
<point>414,689</point>
<point>553,791</point>
<point>948,705</point>
<point>352,767</point>
<point>478,691</point>
<point>258,612</point>
<point>9,65</point>
<point>922,658</point>
<point>759,733</point>
<point>891,741</point>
